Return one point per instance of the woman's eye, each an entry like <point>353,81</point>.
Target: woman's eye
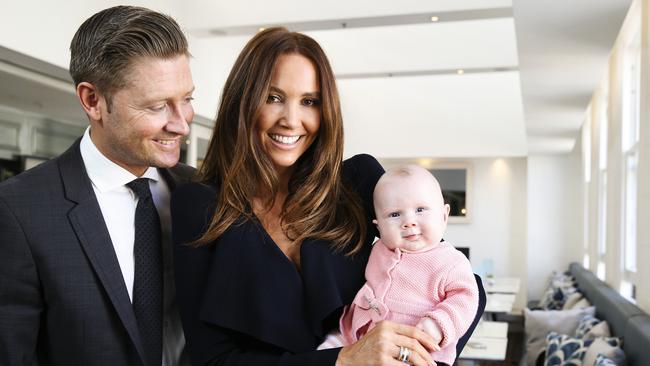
<point>189,99</point>
<point>273,99</point>
<point>393,214</point>
<point>309,102</point>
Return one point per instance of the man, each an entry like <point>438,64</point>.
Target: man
<point>85,253</point>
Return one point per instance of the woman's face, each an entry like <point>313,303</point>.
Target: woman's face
<point>289,120</point>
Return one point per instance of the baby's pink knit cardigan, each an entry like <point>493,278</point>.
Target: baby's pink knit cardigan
<point>404,287</point>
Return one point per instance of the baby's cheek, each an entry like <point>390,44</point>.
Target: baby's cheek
<point>390,242</point>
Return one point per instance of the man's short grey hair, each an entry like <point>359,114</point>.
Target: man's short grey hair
<point>107,43</point>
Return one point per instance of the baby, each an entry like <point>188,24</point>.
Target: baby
<point>412,277</point>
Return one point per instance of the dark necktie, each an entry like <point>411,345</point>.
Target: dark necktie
<point>148,282</point>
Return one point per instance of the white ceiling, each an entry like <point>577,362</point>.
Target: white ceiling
<point>530,68</point>
<point>563,54</point>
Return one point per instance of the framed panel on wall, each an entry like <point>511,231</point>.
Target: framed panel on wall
<point>455,181</point>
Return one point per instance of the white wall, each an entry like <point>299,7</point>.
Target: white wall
<point>554,217</point>
<point>211,62</point>
<point>497,230</point>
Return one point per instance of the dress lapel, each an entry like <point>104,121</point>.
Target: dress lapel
<point>331,280</point>
<point>88,223</point>
<point>269,300</point>
<point>253,289</point>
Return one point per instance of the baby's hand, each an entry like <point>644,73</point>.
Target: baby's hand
<point>430,327</point>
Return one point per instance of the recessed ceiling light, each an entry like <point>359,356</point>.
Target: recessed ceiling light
<point>434,18</point>
<point>460,71</point>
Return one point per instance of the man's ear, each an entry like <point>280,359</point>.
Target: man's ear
<point>90,100</point>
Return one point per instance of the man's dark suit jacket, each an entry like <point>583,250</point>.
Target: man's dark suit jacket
<point>63,300</point>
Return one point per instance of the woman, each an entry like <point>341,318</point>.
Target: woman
<point>274,241</point>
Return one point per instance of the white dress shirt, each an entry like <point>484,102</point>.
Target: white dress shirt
<point>118,203</point>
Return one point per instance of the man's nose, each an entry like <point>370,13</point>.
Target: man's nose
<point>178,121</point>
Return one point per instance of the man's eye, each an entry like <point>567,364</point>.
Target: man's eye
<point>393,214</point>
<point>158,108</point>
<point>273,99</point>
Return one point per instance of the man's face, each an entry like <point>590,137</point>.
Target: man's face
<point>149,117</point>
<point>411,214</point>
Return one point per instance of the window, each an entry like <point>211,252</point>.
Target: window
<point>629,214</point>
<point>602,192</point>
<point>630,162</point>
<point>586,161</point>
<point>602,223</point>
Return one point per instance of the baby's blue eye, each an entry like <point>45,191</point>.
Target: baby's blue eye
<point>420,209</point>
<point>393,214</point>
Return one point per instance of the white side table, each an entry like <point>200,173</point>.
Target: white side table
<point>505,285</point>
<point>488,342</point>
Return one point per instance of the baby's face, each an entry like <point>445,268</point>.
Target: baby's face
<point>411,214</point>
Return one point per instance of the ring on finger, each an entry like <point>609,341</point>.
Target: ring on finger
<point>404,354</point>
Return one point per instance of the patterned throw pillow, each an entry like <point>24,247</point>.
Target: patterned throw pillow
<point>553,299</point>
<point>598,331</point>
<point>604,361</point>
<point>572,300</point>
<point>561,285</point>
<point>562,350</point>
<point>563,279</point>
<point>585,325</point>
<point>538,323</point>
<point>609,347</point>
<point>584,303</point>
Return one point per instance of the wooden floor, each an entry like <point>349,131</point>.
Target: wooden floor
<point>515,344</point>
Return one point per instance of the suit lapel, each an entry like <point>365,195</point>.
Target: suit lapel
<point>88,223</point>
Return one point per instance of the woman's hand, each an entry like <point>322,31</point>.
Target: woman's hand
<point>381,346</point>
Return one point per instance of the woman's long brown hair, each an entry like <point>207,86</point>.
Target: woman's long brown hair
<point>318,204</point>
